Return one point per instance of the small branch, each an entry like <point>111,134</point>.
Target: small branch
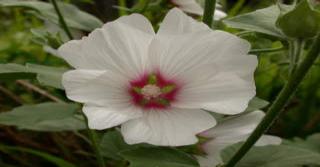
<point>208,14</point>
<point>14,97</point>
<point>39,90</point>
<point>61,19</point>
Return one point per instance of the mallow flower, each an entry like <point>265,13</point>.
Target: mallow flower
<point>230,131</point>
<point>155,85</point>
<point>195,7</point>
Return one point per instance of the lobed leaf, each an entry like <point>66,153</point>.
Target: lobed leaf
<point>263,21</point>
<point>74,17</point>
<point>49,76</point>
<point>274,156</point>
<point>44,117</point>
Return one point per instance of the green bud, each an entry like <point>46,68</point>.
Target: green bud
<point>301,22</point>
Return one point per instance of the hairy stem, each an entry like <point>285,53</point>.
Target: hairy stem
<point>210,6</point>
<point>94,142</point>
<point>61,19</point>
<point>280,102</point>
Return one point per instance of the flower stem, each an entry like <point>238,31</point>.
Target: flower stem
<point>297,47</point>
<point>94,142</point>
<point>123,5</point>
<point>61,19</point>
<point>280,102</point>
<point>208,14</point>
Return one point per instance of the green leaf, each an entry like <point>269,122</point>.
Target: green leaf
<point>53,159</point>
<point>301,22</point>
<point>263,21</point>
<point>112,144</point>
<point>49,76</point>
<point>256,104</point>
<point>158,157</point>
<point>273,156</point>
<point>44,117</point>
<point>74,17</point>
<point>311,143</point>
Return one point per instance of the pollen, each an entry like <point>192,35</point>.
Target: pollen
<point>150,91</point>
<point>153,91</point>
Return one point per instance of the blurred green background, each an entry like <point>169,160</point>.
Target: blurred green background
<point>19,45</point>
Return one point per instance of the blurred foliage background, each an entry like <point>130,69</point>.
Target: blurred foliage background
<point>19,45</point>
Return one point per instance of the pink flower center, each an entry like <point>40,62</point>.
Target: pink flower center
<point>153,91</point>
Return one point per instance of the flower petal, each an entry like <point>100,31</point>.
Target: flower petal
<point>175,127</point>
<point>120,45</point>
<point>96,87</point>
<point>268,140</point>
<point>232,131</point>
<point>189,6</point>
<point>204,66</point>
<point>106,117</point>
<point>235,126</point>
<point>214,147</point>
<point>226,93</point>
<point>176,23</point>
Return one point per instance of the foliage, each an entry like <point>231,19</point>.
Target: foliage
<point>33,127</point>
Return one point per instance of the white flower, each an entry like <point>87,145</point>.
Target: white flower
<point>194,7</point>
<point>155,85</point>
<point>229,132</point>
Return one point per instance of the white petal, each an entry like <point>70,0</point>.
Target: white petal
<point>120,45</point>
<point>213,157</point>
<point>96,87</point>
<point>236,126</point>
<point>214,68</point>
<point>176,22</point>
<point>232,131</point>
<point>189,6</point>
<point>106,117</point>
<point>268,140</point>
<point>175,127</point>
<point>219,14</point>
<point>225,93</point>
<point>202,51</point>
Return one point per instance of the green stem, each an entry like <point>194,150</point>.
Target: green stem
<point>208,14</point>
<point>61,19</point>
<point>255,51</point>
<point>236,8</point>
<point>280,102</point>
<point>298,46</point>
<point>94,142</point>
<point>123,5</point>
<point>141,6</point>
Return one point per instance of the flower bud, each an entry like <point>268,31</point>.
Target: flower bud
<point>301,22</point>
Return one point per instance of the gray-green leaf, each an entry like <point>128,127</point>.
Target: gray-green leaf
<point>158,157</point>
<point>49,76</point>
<point>256,104</point>
<point>74,17</point>
<point>112,144</point>
<point>273,156</point>
<point>263,21</point>
<point>44,117</point>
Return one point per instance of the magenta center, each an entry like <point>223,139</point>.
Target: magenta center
<point>153,91</point>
